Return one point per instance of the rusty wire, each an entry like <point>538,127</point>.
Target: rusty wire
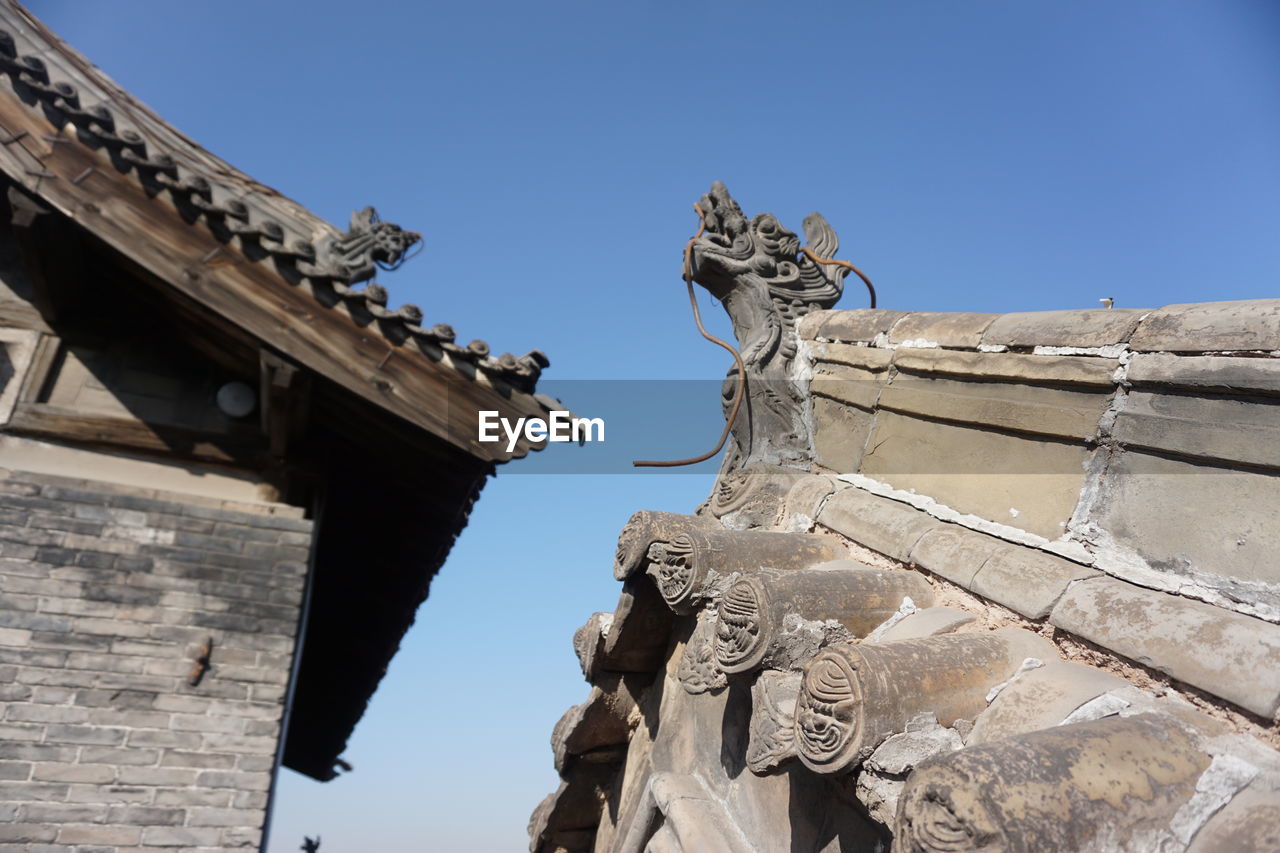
<point>739,389</point>
<point>833,262</point>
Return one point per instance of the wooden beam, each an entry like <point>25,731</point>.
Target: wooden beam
<point>73,427</point>
<point>284,399</point>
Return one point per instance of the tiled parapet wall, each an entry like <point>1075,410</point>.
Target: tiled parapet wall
<point>108,596</point>
<point>1144,445</point>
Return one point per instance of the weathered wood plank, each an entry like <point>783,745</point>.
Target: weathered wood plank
<point>45,421</point>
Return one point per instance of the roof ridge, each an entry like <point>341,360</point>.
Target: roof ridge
<point>278,228</point>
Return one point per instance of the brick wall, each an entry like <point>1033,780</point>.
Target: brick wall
<point>107,594</point>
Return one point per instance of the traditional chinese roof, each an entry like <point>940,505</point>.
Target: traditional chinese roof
<point>76,141</point>
<point>973,582</point>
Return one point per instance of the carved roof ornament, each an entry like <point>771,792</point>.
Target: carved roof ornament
<point>367,244</point>
<point>758,270</point>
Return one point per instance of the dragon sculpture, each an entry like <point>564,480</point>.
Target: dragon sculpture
<point>758,271</point>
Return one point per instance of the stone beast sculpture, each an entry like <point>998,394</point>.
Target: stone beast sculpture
<point>766,283</point>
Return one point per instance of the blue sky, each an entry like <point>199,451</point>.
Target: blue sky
<point>978,156</point>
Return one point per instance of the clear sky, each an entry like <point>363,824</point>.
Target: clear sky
<point>976,156</point>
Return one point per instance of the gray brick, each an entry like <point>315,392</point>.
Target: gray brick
<point>63,813</point>
<point>11,792</point>
<point>16,771</point>
<point>84,574</point>
<point>262,728</point>
<point>256,763</point>
<point>14,599</point>
<point>133,682</point>
<point>183,704</point>
<point>247,534</point>
<point>193,723</point>
<point>95,560</point>
<point>67,494</point>
<point>165,836</point>
<point>26,833</point>
<point>241,837</point>
<point>8,487</point>
<point>19,732</point>
<point>187,797</point>
<point>17,550</point>
<point>33,621</point>
<point>50,585</point>
<point>55,556</point>
<point>121,594</point>
<point>70,641</point>
<point>120,756</point>
<point>204,760</point>
<point>147,505</point>
<point>128,718</point>
<point>230,779</point>
<point>42,521</point>
<point>29,713</point>
<point>78,607</point>
<point>146,815</point>
<point>64,677</point>
<point>239,743</point>
<point>250,800</point>
<point>95,773</point>
<point>44,540</point>
<point>224,817</point>
<point>109,794</point>
<point>166,552</point>
<point>36,848</point>
<point>15,692</point>
<point>91,735</point>
<point>266,692</point>
<point>16,518</point>
<point>35,502</point>
<point>37,752</point>
<point>105,835</point>
<point>164,739</point>
<point>32,657</point>
<point>249,519</point>
<point>110,627</point>
<point>51,695</point>
<point>179,522</point>
<point>127,563</point>
<point>172,776</point>
<point>142,647</point>
<point>25,566</point>
<point>104,663</point>
<point>207,543</point>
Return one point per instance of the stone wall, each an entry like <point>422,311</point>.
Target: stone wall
<point>109,597</point>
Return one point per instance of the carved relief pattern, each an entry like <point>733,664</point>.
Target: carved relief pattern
<point>698,672</point>
<point>771,736</point>
<point>633,544</point>
<point>738,631</point>
<point>674,569</point>
<point>936,828</point>
<point>732,491</point>
<point>826,711</point>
